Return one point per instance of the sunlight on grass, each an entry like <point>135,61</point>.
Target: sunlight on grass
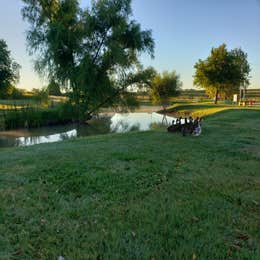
<point>9,107</point>
<point>136,195</point>
<point>202,109</point>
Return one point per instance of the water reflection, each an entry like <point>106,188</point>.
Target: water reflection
<point>118,123</point>
<point>136,121</point>
<point>31,140</point>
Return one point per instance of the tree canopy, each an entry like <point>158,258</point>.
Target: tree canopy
<point>93,51</point>
<point>9,71</point>
<point>223,72</point>
<point>164,86</point>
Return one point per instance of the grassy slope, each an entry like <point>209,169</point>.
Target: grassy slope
<point>201,109</point>
<point>137,195</point>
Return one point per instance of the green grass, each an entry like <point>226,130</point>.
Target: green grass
<point>30,101</point>
<point>146,195</point>
<point>201,109</point>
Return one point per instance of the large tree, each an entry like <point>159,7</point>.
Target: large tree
<point>164,86</point>
<point>9,71</point>
<point>94,52</point>
<point>223,72</point>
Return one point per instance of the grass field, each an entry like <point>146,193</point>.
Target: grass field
<point>7,104</point>
<point>142,195</point>
<point>202,109</point>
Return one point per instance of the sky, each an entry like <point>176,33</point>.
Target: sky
<point>184,32</point>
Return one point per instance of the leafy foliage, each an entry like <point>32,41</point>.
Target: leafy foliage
<point>54,88</point>
<point>41,96</point>
<point>165,86</point>
<point>94,52</point>
<point>9,71</point>
<point>223,72</point>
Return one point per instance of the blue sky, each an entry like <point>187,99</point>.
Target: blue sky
<point>184,31</point>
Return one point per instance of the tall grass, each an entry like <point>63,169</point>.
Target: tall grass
<point>31,117</point>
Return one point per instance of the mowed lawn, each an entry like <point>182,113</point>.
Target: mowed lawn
<point>146,195</point>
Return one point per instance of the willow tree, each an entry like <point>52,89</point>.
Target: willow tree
<point>223,72</point>
<point>93,52</point>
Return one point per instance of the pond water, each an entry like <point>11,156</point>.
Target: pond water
<point>117,123</point>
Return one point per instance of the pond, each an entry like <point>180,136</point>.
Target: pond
<point>117,123</point>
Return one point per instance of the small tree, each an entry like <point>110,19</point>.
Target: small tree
<point>164,86</point>
<point>9,71</point>
<point>41,96</point>
<point>54,88</point>
<point>223,72</point>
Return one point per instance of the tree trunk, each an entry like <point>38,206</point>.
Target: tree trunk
<point>164,109</point>
<point>164,114</point>
<point>216,96</point>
